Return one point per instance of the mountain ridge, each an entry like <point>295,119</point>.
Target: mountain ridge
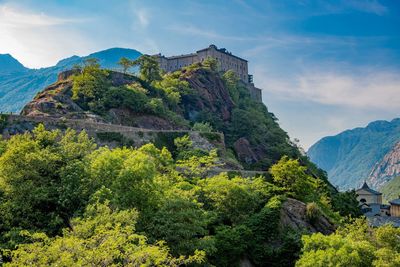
<point>350,156</point>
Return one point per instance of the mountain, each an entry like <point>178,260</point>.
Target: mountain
<point>350,157</point>
<point>18,85</point>
<point>8,64</point>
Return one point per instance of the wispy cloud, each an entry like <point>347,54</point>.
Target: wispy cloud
<point>366,89</point>
<point>143,17</point>
<point>13,17</point>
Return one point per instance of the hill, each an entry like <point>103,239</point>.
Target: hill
<point>144,176</point>
<point>350,157</point>
<point>18,85</point>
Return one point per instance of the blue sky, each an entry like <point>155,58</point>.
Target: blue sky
<point>324,66</point>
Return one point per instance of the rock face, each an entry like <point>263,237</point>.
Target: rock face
<point>212,95</point>
<point>350,157</point>
<point>244,151</point>
<point>386,169</point>
<point>293,215</point>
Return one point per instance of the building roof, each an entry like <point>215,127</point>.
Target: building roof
<point>222,50</point>
<point>366,188</point>
<point>395,201</point>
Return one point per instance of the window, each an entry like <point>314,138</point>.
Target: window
<point>363,200</point>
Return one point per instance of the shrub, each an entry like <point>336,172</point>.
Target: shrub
<point>202,127</point>
<point>312,212</point>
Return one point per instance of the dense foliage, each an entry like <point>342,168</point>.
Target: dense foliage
<point>64,202</point>
<point>356,244</point>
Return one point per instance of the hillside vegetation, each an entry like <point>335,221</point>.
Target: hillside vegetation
<point>66,201</point>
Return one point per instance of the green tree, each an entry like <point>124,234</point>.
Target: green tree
<point>231,82</point>
<point>89,86</point>
<point>355,244</point>
<point>211,63</point>
<point>174,87</point>
<point>42,180</point>
<point>125,63</point>
<point>234,199</point>
<point>292,177</point>
<point>103,237</point>
<point>202,127</point>
<point>149,68</point>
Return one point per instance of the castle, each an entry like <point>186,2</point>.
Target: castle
<point>227,61</point>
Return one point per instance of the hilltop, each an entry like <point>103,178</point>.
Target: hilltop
<point>253,137</point>
<point>18,84</point>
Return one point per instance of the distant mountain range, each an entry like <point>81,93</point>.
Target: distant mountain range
<point>360,154</point>
<point>18,84</point>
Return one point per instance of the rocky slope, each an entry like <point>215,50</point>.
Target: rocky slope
<point>351,156</point>
<point>386,169</point>
<point>18,85</point>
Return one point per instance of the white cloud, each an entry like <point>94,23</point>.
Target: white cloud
<point>38,39</point>
<point>143,17</point>
<point>361,89</point>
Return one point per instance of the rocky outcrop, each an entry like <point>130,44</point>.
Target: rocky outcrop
<point>293,215</point>
<point>386,169</point>
<point>212,95</point>
<point>244,151</point>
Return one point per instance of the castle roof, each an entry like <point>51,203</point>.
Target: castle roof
<point>366,188</point>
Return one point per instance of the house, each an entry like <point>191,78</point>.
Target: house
<point>371,202</point>
<point>366,195</point>
<point>395,207</point>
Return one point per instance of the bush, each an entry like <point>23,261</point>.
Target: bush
<point>3,122</point>
<point>202,127</point>
<point>312,212</point>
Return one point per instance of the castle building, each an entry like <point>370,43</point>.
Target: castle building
<point>227,61</point>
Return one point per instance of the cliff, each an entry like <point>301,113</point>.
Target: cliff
<point>386,169</point>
